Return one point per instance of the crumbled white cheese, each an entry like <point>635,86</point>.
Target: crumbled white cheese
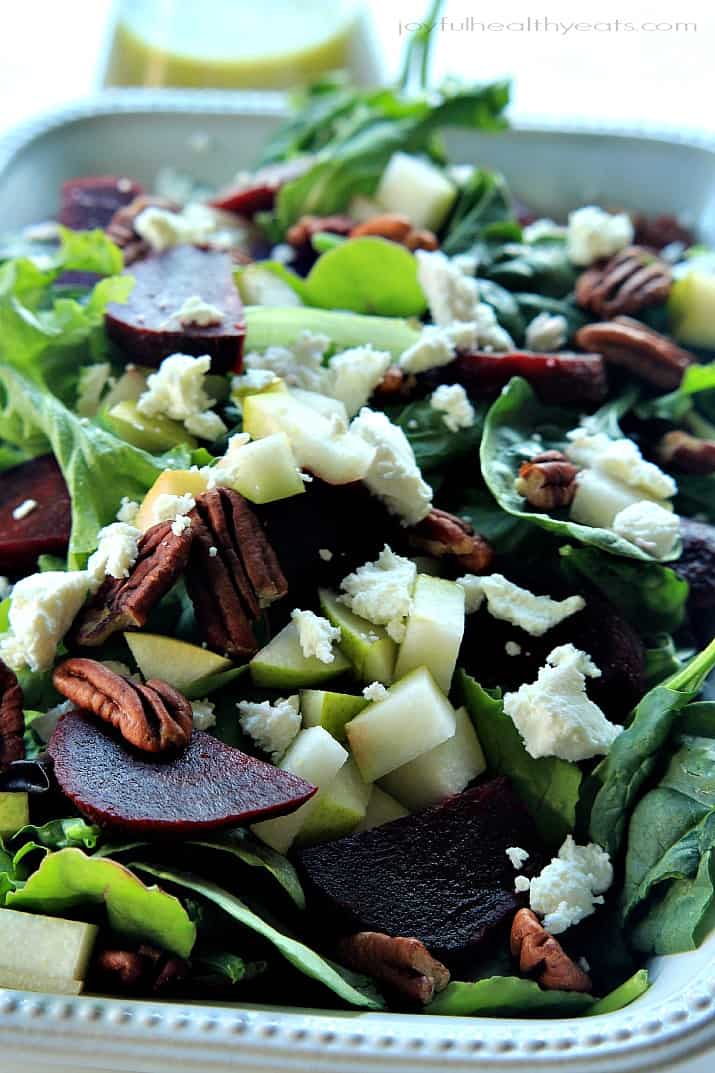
<point>467,263</point>
<point>517,856</point>
<point>300,365</point>
<point>203,714</point>
<point>195,310</point>
<point>253,380</point>
<point>450,294</point>
<point>42,610</point>
<point>213,551</point>
<point>353,375</point>
<point>453,402</point>
<point>620,459</point>
<point>381,592</point>
<point>161,228</point>
<point>432,349</point>
<point>593,234</point>
<point>490,334</point>
<point>522,608</point>
<point>117,549</point>
<point>521,884</point>
<point>272,726</point>
<point>555,716</point>
<point>5,588</point>
<point>569,888</point>
<point>325,554</point>
<point>649,526</point>
<point>541,229</point>
<point>315,635</point>
<point>512,648</point>
<point>180,524</point>
<point>393,476</point>
<point>374,692</point>
<point>583,964</point>
<point>176,390</point>
<point>26,507</point>
<point>547,332</point>
<point>128,510</point>
<point>91,383</point>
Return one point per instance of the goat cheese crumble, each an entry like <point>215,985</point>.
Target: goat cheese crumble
<point>620,459</point>
<point>393,475</point>
<point>381,592</point>
<point>24,508</point>
<point>42,610</point>
<point>176,390</point>
<point>517,856</point>
<point>169,508</point>
<point>128,510</point>
<point>568,889</point>
<point>555,716</point>
<point>117,550</point>
<point>594,234</point>
<point>649,526</point>
<point>374,692</point>
<point>547,332</point>
<point>300,365</point>
<point>203,714</point>
<point>453,402</point>
<point>196,311</point>
<point>161,228</point>
<point>510,603</point>
<point>353,375</point>
<point>315,635</point>
<point>272,726</point>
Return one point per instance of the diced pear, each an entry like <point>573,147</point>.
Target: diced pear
<point>316,757</point>
<point>266,470</point>
<point>172,482</point>
<point>282,665</point>
<point>381,808</point>
<point>369,648</point>
<point>155,433</point>
<point>416,189</point>
<point>339,807</point>
<point>444,770</point>
<point>260,287</point>
<point>322,403</point>
<point>413,718</point>
<point>337,457</point>
<point>184,666</point>
<point>434,631</point>
<point>330,710</point>
<point>130,386</point>
<point>14,813</point>
<point>691,305</point>
<point>600,498</point>
<point>36,948</point>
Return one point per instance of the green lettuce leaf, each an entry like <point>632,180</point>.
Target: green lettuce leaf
<point>513,423</point>
<point>240,844</point>
<point>59,834</point>
<point>635,986</point>
<point>353,989</point>
<point>69,878</point>
<point>506,996</point>
<point>548,786</point>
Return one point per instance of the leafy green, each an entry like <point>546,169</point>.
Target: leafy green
<point>248,850</point>
<point>548,786</point>
<point>622,996</point>
<point>504,996</point>
<point>542,267</point>
<point>662,659</point>
<point>505,532</point>
<point>69,878</point>
<point>530,305</point>
<point>696,496</point>
<point>99,468</point>
<point>677,404</point>
<point>516,427</point>
<point>434,444</point>
<point>650,596</point>
<point>212,964</point>
<point>612,790</point>
<point>348,986</point>
<point>59,834</point>
<point>505,307</point>
<point>483,200</point>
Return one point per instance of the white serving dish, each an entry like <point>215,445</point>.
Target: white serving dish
<point>552,169</point>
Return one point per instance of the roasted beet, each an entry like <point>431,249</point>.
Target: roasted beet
<point>208,785</point>
<point>92,201</point>
<point>45,529</point>
<point>258,192</point>
<point>697,563</point>
<point>440,876</point>
<point>557,378</point>
<point>146,327</point>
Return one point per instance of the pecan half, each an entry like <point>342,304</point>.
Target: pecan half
<point>396,385</point>
<point>405,965</point>
<point>146,969</point>
<point>125,603</point>
<point>646,353</point>
<point>12,723</point>
<point>232,571</point>
<point>153,717</point>
<point>548,480</point>
<point>121,227</point>
<point>543,956</point>
<point>631,280</point>
<point>302,232</point>
<point>441,533</point>
<point>687,453</point>
<point>397,228</point>
<point>657,232</point>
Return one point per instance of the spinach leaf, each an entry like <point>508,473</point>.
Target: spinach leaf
<point>650,596</point>
<point>530,305</point>
<point>661,659</point>
<point>483,200</point>
<point>698,379</point>
<point>612,790</point>
<point>353,989</point>
<point>548,786</point>
<point>505,996</point>
<point>541,267</point>
<point>696,496</point>
<point>504,531</point>
<point>212,966</point>
<point>516,427</point>
<point>505,307</point>
<point>434,444</point>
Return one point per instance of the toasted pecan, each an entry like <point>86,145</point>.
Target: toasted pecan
<point>121,227</point>
<point>686,453</point>
<point>403,964</point>
<point>547,481</point>
<point>639,349</point>
<point>543,956</point>
<point>12,723</point>
<point>631,280</point>
<point>441,534</point>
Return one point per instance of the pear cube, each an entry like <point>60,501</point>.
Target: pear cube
<point>282,665</point>
<point>434,631</point>
<point>338,808</point>
<point>369,648</point>
<point>41,952</point>
<point>330,710</point>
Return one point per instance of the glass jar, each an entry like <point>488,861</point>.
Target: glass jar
<point>238,44</point>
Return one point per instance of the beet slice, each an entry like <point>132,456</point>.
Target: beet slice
<point>92,200</point>
<point>258,192</point>
<point>143,326</point>
<point>46,529</point>
<point>441,876</point>
<point>555,378</point>
<point>209,784</point>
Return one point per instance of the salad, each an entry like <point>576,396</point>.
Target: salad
<point>356,531</point>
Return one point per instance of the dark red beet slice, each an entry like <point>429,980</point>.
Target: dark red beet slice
<point>163,282</point>
<point>554,377</point>
<point>91,201</point>
<point>46,529</point>
<point>441,876</point>
<point>258,193</point>
<point>208,785</point>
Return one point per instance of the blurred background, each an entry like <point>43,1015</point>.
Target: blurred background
<point>623,63</point>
